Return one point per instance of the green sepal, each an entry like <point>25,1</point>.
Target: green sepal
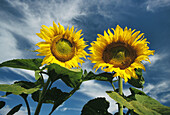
<point>97,106</point>
<point>29,64</point>
<point>138,83</point>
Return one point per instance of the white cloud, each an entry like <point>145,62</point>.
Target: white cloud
<point>94,90</point>
<point>155,59</point>
<point>6,109</point>
<point>72,109</point>
<point>88,66</point>
<point>33,15</point>
<point>27,74</point>
<point>158,91</point>
<point>152,5</point>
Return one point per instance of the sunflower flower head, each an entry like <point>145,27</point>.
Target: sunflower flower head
<point>121,52</point>
<point>60,46</point>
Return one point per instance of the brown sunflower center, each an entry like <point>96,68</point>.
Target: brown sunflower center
<point>62,49</point>
<point>119,54</point>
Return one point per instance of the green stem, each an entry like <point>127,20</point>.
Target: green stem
<point>28,108</point>
<point>41,97</point>
<point>120,106</point>
<point>113,86</point>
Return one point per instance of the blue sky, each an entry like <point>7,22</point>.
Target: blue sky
<point>21,19</point>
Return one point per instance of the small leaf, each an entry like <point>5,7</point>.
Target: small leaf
<point>138,83</point>
<point>97,106</point>
<point>37,74</point>
<point>14,110</point>
<point>136,91</point>
<point>29,64</point>
<point>71,77</point>
<point>2,104</point>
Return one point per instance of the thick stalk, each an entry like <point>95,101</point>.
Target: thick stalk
<point>41,97</point>
<point>120,106</point>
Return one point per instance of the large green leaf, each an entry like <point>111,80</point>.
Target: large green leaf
<point>101,77</point>
<point>51,95</point>
<point>140,103</point>
<point>149,102</point>
<point>137,82</point>
<point>29,64</point>
<point>14,110</point>
<point>96,106</point>
<point>21,87</point>
<point>71,77</point>
<point>59,97</point>
<point>132,105</point>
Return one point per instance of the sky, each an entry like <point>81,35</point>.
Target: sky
<point>20,20</point>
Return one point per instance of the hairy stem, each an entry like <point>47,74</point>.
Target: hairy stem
<point>120,106</point>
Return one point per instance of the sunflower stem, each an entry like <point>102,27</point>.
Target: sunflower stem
<point>42,97</point>
<point>120,106</point>
<point>113,86</point>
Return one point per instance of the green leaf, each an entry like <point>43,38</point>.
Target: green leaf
<point>132,105</point>
<point>136,91</point>
<point>21,87</point>
<point>2,104</point>
<point>140,103</point>
<point>71,77</point>
<point>29,64</point>
<point>138,83</point>
<point>97,106</point>
<point>14,110</point>
<point>37,74</point>
<point>119,99</point>
<point>51,95</point>
<point>153,104</point>
<point>101,77</point>
<point>59,97</point>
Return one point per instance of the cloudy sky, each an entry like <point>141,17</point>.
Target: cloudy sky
<point>20,20</point>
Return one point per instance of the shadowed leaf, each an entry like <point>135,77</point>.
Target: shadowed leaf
<point>101,77</point>
<point>14,110</point>
<point>96,106</point>
<point>2,104</point>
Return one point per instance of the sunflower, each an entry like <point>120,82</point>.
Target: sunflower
<point>63,47</point>
<point>121,52</point>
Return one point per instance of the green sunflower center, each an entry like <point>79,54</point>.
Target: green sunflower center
<point>63,46</point>
<point>119,54</point>
<point>62,49</point>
